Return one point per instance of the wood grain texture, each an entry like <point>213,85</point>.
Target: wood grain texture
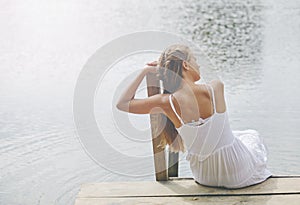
<point>153,88</point>
<point>186,187</point>
<point>208,200</point>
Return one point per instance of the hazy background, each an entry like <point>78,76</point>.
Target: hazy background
<point>45,44</point>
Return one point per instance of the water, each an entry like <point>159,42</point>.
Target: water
<point>45,44</point>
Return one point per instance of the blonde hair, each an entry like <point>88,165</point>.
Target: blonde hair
<point>170,66</point>
<point>170,72</point>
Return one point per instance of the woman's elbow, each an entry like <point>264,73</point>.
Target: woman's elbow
<point>119,106</point>
<point>122,106</point>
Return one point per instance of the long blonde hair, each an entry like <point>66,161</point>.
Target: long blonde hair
<point>170,72</point>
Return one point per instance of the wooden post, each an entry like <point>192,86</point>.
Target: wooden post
<point>173,164</point>
<point>153,88</point>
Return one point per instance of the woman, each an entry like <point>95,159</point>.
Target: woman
<point>218,156</point>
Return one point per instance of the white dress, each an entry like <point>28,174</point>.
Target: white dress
<point>221,157</point>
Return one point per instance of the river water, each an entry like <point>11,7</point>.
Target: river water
<point>255,46</point>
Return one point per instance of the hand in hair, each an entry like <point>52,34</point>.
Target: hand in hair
<point>151,67</point>
<point>153,63</point>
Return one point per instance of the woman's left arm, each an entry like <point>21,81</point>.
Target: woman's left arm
<point>154,104</point>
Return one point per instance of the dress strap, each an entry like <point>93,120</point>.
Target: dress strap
<point>213,97</point>
<point>173,108</point>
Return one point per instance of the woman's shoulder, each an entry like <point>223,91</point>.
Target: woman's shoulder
<point>216,83</point>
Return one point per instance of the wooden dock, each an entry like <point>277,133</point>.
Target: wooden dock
<point>169,189</point>
<point>277,190</point>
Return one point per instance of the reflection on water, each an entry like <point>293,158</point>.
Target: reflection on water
<point>228,31</point>
<point>254,45</point>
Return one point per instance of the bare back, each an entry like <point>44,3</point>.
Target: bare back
<point>194,102</point>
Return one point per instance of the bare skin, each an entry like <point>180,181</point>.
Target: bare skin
<point>191,100</point>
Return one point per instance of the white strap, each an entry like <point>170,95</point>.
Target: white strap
<point>173,108</point>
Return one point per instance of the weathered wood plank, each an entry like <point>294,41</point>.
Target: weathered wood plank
<point>204,200</point>
<point>161,174</point>
<point>186,187</point>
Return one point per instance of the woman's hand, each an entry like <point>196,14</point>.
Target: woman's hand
<point>151,67</point>
<point>153,63</point>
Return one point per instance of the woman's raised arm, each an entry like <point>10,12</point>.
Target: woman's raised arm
<point>154,104</point>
